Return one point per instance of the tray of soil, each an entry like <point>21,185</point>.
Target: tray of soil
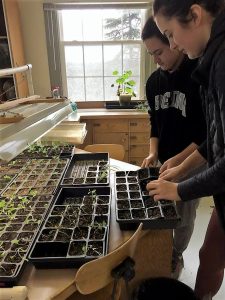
<point>76,230</point>
<point>20,220</point>
<point>39,177</point>
<point>48,151</point>
<point>87,169</point>
<point>8,172</point>
<point>134,205</point>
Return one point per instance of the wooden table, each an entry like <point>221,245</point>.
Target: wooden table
<point>152,257</point>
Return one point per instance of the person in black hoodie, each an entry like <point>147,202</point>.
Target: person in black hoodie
<point>198,28</point>
<point>177,122</point>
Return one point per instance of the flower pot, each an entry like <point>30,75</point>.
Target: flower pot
<point>124,99</point>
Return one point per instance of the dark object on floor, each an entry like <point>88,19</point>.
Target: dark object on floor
<point>162,288</point>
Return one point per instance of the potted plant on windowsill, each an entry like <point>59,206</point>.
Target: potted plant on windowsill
<point>125,86</point>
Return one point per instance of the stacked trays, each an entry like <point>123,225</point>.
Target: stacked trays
<point>134,205</point>
<point>76,230</point>
<point>90,169</point>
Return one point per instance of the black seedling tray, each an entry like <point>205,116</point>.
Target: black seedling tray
<point>40,177</point>
<point>87,169</point>
<point>76,229</point>
<point>134,205</point>
<point>47,151</point>
<point>20,220</point>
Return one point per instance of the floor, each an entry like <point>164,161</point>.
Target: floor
<point>191,254</point>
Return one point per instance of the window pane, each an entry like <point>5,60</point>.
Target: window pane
<point>92,25</point>
<point>75,88</point>
<point>122,24</point>
<point>112,59</point>
<point>112,29</point>
<point>94,89</point>
<point>110,92</point>
<point>131,24</point>
<point>74,61</point>
<point>72,25</point>
<point>93,60</point>
<point>131,58</point>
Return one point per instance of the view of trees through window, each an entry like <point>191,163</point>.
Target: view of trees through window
<point>95,43</point>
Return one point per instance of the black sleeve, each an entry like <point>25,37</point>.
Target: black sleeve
<point>202,149</point>
<point>151,86</point>
<point>211,181</point>
<point>195,116</point>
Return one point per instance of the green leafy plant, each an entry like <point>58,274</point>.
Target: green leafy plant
<point>142,106</point>
<point>125,85</point>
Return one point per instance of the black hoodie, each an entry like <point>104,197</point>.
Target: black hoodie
<point>211,75</point>
<point>175,109</point>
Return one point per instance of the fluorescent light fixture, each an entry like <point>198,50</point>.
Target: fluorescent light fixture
<point>39,119</point>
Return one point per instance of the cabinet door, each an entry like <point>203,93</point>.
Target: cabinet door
<point>139,125</point>
<point>139,138</point>
<point>16,44</point>
<point>139,150</point>
<point>110,125</point>
<point>111,138</point>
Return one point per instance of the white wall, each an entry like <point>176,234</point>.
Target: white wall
<point>33,30</point>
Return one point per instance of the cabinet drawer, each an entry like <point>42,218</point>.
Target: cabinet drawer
<point>110,126</point>
<point>140,125</point>
<point>139,150</point>
<point>139,138</point>
<point>111,138</point>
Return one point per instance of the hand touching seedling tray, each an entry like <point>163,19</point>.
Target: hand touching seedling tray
<point>134,205</point>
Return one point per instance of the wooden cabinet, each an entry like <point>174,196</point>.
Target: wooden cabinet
<point>131,131</point>
<point>11,51</point>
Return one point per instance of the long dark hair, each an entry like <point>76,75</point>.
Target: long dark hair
<point>151,30</point>
<point>181,8</point>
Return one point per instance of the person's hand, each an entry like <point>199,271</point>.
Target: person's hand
<point>174,174</point>
<point>162,189</point>
<point>170,163</point>
<point>150,161</point>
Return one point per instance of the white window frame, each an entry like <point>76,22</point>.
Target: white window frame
<point>146,64</point>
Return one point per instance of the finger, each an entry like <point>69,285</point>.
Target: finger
<point>143,164</point>
<point>157,197</point>
<point>162,169</point>
<point>152,185</point>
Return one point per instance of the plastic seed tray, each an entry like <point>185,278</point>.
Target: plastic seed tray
<point>39,177</point>
<point>76,230</point>
<point>20,220</point>
<point>87,169</point>
<point>47,151</point>
<point>134,205</point>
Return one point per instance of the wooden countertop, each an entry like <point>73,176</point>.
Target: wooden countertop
<point>102,113</point>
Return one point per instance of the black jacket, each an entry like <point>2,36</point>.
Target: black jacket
<point>176,114</point>
<point>211,75</point>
